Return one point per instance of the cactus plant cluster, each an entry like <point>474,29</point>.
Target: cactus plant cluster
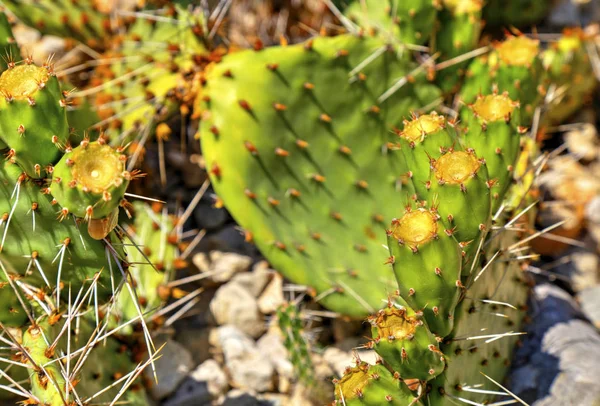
<point>346,146</point>
<point>336,155</point>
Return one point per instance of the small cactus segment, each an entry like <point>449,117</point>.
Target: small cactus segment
<point>514,66</point>
<point>570,73</point>
<point>47,382</point>
<point>427,265</point>
<point>33,120</point>
<point>301,176</point>
<point>84,20</point>
<point>372,385</point>
<point>90,180</point>
<point>153,72</point>
<point>422,139</point>
<point>51,338</point>
<point>494,132</point>
<point>411,21</point>
<point>515,13</point>
<point>291,325</point>
<point>458,29</point>
<point>154,264</point>
<point>39,253</point>
<point>9,51</point>
<point>405,343</point>
<point>463,188</point>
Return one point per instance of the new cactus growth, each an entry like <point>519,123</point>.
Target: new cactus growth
<point>90,181</point>
<point>514,66</point>
<point>32,112</point>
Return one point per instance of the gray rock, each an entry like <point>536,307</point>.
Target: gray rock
<point>590,304</point>
<point>209,217</point>
<point>172,368</point>
<point>576,345</point>
<point>196,341</point>
<point>537,363</point>
<point>190,393</point>
<point>574,13</point>
<point>221,266</point>
<point>233,304</point>
<point>248,367</point>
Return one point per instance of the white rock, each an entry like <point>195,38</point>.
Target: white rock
<point>233,304</point>
<point>256,280</point>
<point>272,297</point>
<point>221,266</point>
<point>172,368</point>
<point>248,367</point>
<point>271,345</point>
<point>211,373</point>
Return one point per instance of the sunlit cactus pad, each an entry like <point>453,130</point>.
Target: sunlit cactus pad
<point>296,141</point>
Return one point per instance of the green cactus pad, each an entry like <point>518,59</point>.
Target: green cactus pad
<point>571,73</point>
<point>422,140</point>
<point>514,66</point>
<point>427,263</point>
<point>154,264</point>
<point>493,131</point>
<point>33,120</point>
<point>37,248</point>
<point>47,377</point>
<point>458,29</point>
<point>488,324</point>
<point>309,168</point>
<point>84,20</point>
<point>406,344</point>
<point>90,180</point>
<point>412,22</point>
<point>372,385</point>
<point>9,51</point>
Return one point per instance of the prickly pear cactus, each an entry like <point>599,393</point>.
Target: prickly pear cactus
<point>412,22</point>
<point>291,325</point>
<point>514,66</point>
<point>90,381</point>
<point>457,33</point>
<point>310,168</point>
<point>85,20</point>
<point>571,75</point>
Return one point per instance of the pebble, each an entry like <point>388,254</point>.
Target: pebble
<point>233,304</point>
<point>248,367</point>
<point>221,266</point>
<point>272,298</point>
<point>256,280</point>
<point>172,368</point>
